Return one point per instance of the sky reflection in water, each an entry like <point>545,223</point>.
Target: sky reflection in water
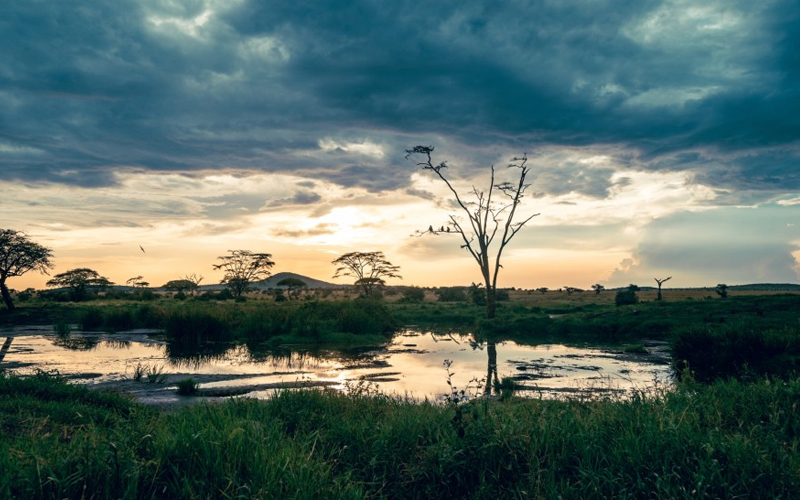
<point>411,365</point>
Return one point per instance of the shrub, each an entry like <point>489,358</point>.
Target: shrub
<point>413,294</point>
<point>626,297</point>
<point>451,294</point>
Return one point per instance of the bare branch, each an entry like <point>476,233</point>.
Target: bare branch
<point>486,218</point>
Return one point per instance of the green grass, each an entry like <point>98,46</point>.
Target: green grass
<point>724,440</point>
<point>736,349</point>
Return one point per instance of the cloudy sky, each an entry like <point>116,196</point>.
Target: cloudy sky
<point>664,136</point>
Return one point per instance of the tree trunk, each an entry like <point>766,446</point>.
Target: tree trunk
<point>491,302</point>
<point>659,292</point>
<point>491,369</point>
<point>6,295</point>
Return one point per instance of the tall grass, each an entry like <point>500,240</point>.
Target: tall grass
<point>713,351</point>
<point>726,440</point>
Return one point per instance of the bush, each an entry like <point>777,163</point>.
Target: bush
<point>451,294</point>
<point>626,297</point>
<point>413,294</point>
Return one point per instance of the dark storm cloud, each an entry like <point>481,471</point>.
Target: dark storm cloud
<point>299,198</point>
<point>89,89</point>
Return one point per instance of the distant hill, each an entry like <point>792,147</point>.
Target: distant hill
<point>753,287</point>
<point>272,281</point>
<point>766,287</point>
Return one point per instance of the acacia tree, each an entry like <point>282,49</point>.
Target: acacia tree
<point>137,282</point>
<point>243,267</point>
<point>487,218</point>
<point>80,281</point>
<point>294,286</point>
<point>369,269</point>
<point>188,283</point>
<point>18,255</point>
<point>661,282</point>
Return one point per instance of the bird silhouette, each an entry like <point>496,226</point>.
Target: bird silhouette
<point>142,249</point>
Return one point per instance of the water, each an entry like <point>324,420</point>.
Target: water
<point>411,365</point>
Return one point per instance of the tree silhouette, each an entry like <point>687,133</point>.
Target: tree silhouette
<point>660,282</point>
<point>18,255</point>
<point>597,287</point>
<point>195,280</point>
<point>486,218</point>
<point>137,282</point>
<point>369,269</point>
<point>80,281</point>
<point>181,285</point>
<point>243,267</point>
<point>722,290</point>
<point>294,286</point>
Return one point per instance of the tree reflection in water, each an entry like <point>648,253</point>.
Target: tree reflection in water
<point>195,354</point>
<point>79,343</point>
<point>492,382</point>
<point>5,348</point>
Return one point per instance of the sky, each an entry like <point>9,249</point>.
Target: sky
<point>663,136</point>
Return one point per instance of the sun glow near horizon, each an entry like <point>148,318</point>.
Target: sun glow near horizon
<point>305,224</point>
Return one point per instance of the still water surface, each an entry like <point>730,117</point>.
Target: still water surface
<point>412,364</point>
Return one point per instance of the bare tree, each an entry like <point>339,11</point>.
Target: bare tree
<point>661,282</point>
<point>369,269</point>
<point>243,267</point>
<point>486,218</point>
<point>195,280</point>
<point>18,255</point>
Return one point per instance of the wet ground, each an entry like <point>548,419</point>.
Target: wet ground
<point>142,363</point>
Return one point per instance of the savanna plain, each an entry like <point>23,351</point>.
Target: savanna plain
<point>726,427</point>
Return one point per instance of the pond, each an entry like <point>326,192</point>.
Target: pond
<point>414,364</point>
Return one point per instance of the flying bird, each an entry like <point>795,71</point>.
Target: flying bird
<point>142,249</point>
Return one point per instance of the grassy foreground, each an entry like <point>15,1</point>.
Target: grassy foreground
<point>725,440</point>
